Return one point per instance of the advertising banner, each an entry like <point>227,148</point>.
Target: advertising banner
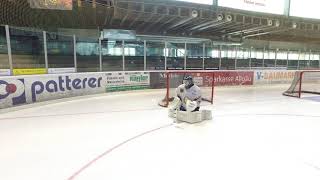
<point>51,4</point>
<point>157,80</point>
<point>123,81</point>
<point>209,2</point>
<point>310,8</point>
<point>119,34</point>
<point>29,89</point>
<point>233,78</point>
<point>265,6</point>
<point>221,78</point>
<point>273,77</point>
<point>61,70</point>
<point>29,71</point>
<point>225,78</point>
<point>4,72</point>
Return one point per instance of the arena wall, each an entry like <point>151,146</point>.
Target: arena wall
<point>20,90</point>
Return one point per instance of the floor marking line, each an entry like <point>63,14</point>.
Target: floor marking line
<point>113,148</point>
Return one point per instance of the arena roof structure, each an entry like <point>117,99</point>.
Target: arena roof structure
<point>189,19</point>
<point>164,18</point>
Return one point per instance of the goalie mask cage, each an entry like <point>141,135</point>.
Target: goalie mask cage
<point>304,82</point>
<point>203,79</point>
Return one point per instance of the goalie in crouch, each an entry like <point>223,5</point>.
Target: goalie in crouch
<point>189,95</point>
<point>186,106</point>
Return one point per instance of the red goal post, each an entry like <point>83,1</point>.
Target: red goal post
<point>304,82</point>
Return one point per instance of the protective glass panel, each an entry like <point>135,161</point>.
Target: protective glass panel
<point>228,58</point>
<point>27,48</point>
<point>304,64</point>
<point>60,51</point>
<point>87,55</point>
<point>155,56</point>
<point>111,55</point>
<point>281,64</point>
<point>176,56</point>
<point>4,59</point>
<point>211,57</point>
<point>292,64</point>
<point>194,56</point>
<point>134,55</point>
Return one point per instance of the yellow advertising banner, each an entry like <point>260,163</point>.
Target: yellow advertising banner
<point>29,71</point>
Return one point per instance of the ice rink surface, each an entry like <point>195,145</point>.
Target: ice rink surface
<point>256,134</point>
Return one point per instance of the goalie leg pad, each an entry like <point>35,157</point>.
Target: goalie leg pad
<point>206,115</point>
<point>172,113</point>
<point>175,104</point>
<point>190,117</point>
<point>173,107</point>
<point>194,117</point>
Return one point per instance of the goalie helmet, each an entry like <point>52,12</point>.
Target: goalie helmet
<point>188,81</point>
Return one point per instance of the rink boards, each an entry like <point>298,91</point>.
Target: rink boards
<point>20,90</point>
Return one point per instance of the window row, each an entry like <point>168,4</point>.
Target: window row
<point>31,49</point>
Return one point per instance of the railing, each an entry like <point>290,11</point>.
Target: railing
<point>30,48</point>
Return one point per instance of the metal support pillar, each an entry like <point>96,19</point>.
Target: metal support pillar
<point>75,53</point>
<point>45,51</point>
<point>203,54</point>
<point>145,55</point>
<point>123,59</point>
<point>165,55</point>
<point>220,49</point>
<point>185,56</point>
<point>100,55</point>
<point>9,49</point>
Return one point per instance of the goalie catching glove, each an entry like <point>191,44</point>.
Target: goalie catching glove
<point>191,105</point>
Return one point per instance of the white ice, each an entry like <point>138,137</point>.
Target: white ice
<point>256,134</point>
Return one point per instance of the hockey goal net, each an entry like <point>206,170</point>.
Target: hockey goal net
<point>304,82</point>
<point>203,79</point>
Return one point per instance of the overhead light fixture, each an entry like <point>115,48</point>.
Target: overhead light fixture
<point>229,18</point>
<point>294,25</point>
<point>194,13</point>
<point>226,43</point>
<point>219,17</point>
